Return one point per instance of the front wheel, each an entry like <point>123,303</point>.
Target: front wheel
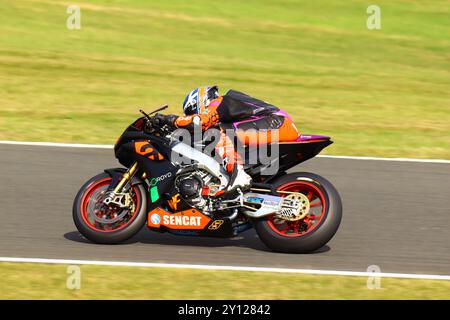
<point>108,224</point>
<point>312,231</point>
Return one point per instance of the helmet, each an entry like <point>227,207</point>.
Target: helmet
<point>198,100</point>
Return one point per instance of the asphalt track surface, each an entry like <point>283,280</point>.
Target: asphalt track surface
<point>396,216</point>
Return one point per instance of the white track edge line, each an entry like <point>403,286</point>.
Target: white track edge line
<point>57,144</point>
<point>386,159</point>
<point>107,146</point>
<point>226,268</point>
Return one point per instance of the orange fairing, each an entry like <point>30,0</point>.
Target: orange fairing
<point>288,132</point>
<point>184,220</point>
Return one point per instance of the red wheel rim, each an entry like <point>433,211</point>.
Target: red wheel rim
<point>315,215</point>
<point>92,194</point>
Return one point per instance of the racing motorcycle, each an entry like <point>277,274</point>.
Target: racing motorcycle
<point>296,212</point>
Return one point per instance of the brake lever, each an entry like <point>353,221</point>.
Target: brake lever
<point>160,109</point>
<point>145,114</point>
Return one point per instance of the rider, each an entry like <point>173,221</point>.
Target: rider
<point>204,106</point>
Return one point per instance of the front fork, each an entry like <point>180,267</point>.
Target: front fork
<point>126,177</point>
<point>116,196</point>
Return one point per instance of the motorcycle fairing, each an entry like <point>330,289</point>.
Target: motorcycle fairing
<point>238,105</point>
<point>160,177</point>
<point>191,222</point>
<point>125,144</point>
<point>290,154</point>
<point>190,219</point>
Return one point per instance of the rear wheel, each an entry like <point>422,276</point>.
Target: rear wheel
<point>103,223</point>
<point>322,213</point>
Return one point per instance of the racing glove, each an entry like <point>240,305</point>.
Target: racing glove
<point>162,119</point>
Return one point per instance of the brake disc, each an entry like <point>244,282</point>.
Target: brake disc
<point>98,206</point>
<point>295,207</point>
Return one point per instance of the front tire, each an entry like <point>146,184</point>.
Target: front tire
<point>313,231</point>
<point>88,202</point>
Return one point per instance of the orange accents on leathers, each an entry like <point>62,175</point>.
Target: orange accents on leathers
<point>225,148</point>
<point>208,120</point>
<point>287,132</point>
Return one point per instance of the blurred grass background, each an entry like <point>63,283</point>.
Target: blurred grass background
<point>382,92</point>
<point>40,281</point>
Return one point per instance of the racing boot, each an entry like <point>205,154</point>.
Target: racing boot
<point>239,179</point>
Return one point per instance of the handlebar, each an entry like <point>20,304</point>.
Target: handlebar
<point>164,107</point>
<point>151,126</point>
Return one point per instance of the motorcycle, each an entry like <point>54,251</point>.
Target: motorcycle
<point>291,212</point>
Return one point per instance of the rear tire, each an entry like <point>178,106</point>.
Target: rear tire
<point>82,214</point>
<point>314,231</point>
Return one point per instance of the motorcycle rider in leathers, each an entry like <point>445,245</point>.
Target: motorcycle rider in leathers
<point>203,107</point>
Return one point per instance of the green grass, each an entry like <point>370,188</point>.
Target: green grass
<point>381,93</point>
<point>40,281</point>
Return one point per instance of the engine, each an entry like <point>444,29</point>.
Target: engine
<point>191,184</point>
